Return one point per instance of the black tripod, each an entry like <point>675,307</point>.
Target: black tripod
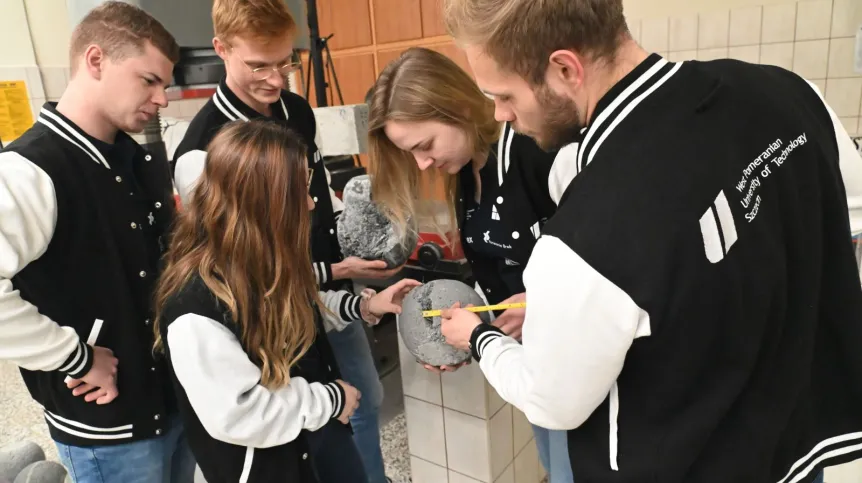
<point>319,45</point>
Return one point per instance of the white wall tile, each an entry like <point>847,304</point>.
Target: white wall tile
<point>54,81</point>
<point>813,19</point>
<point>635,29</point>
<point>811,58</point>
<point>34,83</point>
<point>508,475</point>
<point>683,33</point>
<point>423,471</point>
<point>455,477</point>
<point>841,52</point>
<point>655,35</point>
<point>712,54</point>
<point>745,26</point>
<point>844,96</point>
<point>846,17</point>
<point>13,73</point>
<point>522,430</point>
<point>171,111</point>
<point>416,381</point>
<point>494,401</point>
<point>425,431</point>
<point>851,124</point>
<point>713,29</point>
<point>779,23</point>
<point>777,54</point>
<point>821,84</point>
<point>683,56</point>
<point>467,445</point>
<point>748,53</point>
<point>464,390</point>
<point>36,106</point>
<point>501,439</point>
<point>527,464</point>
<point>846,473</point>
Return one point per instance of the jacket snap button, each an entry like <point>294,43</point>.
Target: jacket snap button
<point>143,274</point>
<point>134,225</point>
<point>516,235</point>
<point>158,204</point>
<point>305,456</point>
<point>157,417</point>
<point>158,432</point>
<point>119,179</point>
<point>315,199</point>
<point>499,200</point>
<point>488,290</point>
<point>153,369</point>
<point>147,322</point>
<point>148,157</point>
<point>332,231</point>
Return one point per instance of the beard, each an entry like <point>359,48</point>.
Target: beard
<point>560,122</point>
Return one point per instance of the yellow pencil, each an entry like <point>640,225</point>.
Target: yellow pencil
<point>483,308</point>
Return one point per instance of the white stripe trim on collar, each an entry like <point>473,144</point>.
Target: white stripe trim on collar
<point>629,108</point>
<point>92,151</point>
<point>284,108</point>
<point>504,149</point>
<point>224,99</point>
<point>609,111</point>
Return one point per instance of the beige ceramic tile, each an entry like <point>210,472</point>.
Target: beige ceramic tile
<point>683,56</point>
<point>455,477</point>
<point>713,29</point>
<point>508,475</point>
<point>683,33</point>
<point>635,29</point>
<point>745,26</point>
<point>813,19</point>
<point>527,464</point>
<point>846,18</point>
<point>748,53</point>
<point>841,60</point>
<point>35,88</point>
<point>522,430</point>
<point>777,54</point>
<point>494,401</point>
<point>416,380</point>
<point>779,23</point>
<point>811,58</point>
<point>655,34</point>
<point>467,445</point>
<point>464,390</point>
<point>54,81</point>
<point>426,472</point>
<point>500,438</point>
<point>425,431</point>
<point>851,125</point>
<point>821,85</point>
<point>844,95</point>
<point>712,54</point>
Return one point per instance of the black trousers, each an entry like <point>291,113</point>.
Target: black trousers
<point>334,454</point>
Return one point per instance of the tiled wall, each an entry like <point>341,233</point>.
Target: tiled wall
<point>814,38</point>
<point>459,430</point>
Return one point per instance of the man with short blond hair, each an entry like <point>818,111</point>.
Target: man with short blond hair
<point>83,215</point>
<point>255,40</point>
<point>694,305</point>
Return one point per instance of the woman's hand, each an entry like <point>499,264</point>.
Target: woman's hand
<point>512,320</point>
<point>351,401</point>
<point>386,302</point>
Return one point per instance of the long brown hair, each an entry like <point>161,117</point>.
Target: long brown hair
<point>246,232</point>
<point>422,85</point>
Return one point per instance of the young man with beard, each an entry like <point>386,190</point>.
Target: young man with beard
<point>694,305</point>
<point>255,40</point>
<point>83,213</point>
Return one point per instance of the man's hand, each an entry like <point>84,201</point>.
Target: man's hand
<point>355,267</point>
<point>351,401</point>
<point>387,301</point>
<point>457,326</point>
<point>512,320</point>
<point>100,383</point>
<point>442,369</point>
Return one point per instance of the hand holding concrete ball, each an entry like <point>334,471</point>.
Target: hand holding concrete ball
<point>421,335</point>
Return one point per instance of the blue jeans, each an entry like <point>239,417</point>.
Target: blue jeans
<point>166,459</point>
<point>353,354</point>
<point>334,455</point>
<point>553,449</point>
<point>819,478</point>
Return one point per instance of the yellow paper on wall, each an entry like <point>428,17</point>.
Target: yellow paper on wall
<point>15,114</point>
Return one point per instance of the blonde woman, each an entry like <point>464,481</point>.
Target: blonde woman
<point>427,114</point>
<point>237,318</point>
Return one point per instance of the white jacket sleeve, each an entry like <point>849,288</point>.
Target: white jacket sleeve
<point>850,164</point>
<point>188,171</point>
<point>574,341</point>
<point>343,308</point>
<point>223,387</point>
<point>28,216</point>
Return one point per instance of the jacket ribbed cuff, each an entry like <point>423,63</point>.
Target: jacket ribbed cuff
<point>79,362</point>
<point>482,335</point>
<point>349,308</point>
<point>322,272</point>
<point>336,395</point>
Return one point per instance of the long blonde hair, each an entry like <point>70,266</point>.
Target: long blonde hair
<point>246,232</point>
<point>422,85</point>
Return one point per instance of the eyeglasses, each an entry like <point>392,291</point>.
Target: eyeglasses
<point>284,70</point>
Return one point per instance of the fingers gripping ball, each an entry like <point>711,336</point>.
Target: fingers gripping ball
<point>422,335</point>
<point>365,232</point>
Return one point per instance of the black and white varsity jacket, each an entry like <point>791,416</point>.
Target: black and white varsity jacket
<point>81,227</point>
<point>294,112</point>
<point>694,309</point>
<point>499,231</point>
<point>239,430</point>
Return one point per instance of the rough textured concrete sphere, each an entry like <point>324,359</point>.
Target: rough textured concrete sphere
<point>42,472</point>
<point>365,232</point>
<point>15,457</point>
<point>422,336</point>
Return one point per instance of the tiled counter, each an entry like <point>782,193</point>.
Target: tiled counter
<point>460,431</point>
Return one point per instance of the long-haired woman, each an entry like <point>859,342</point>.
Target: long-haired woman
<point>426,113</point>
<point>237,315</point>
